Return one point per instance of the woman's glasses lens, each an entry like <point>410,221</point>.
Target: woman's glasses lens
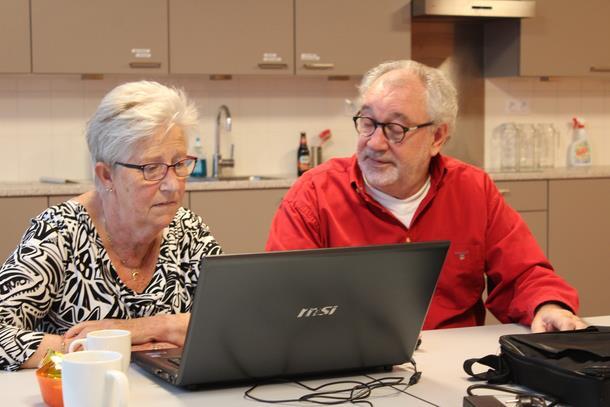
<point>157,171</point>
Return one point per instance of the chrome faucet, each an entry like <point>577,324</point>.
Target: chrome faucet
<point>217,161</point>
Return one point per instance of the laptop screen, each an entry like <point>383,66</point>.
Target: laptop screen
<point>294,313</point>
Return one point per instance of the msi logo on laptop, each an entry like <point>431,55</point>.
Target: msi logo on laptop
<point>318,311</point>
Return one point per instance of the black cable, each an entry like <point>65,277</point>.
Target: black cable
<point>355,392</point>
<point>412,381</point>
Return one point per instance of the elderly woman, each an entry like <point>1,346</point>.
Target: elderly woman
<point>125,255</point>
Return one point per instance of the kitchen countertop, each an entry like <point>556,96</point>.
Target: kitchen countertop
<point>13,189</point>
<point>43,189</point>
<point>594,171</point>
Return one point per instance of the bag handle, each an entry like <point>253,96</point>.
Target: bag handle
<point>499,372</point>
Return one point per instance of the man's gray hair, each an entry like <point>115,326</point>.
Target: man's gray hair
<point>132,112</point>
<point>441,95</point>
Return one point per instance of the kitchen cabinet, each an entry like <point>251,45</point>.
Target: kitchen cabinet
<point>346,37</point>
<point>324,37</point>
<point>17,213</point>
<point>238,219</point>
<point>530,199</point>
<point>99,36</point>
<point>566,38</point>
<point>579,245</point>
<point>15,36</point>
<point>231,36</point>
<point>57,199</point>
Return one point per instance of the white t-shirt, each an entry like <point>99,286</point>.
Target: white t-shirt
<point>403,209</point>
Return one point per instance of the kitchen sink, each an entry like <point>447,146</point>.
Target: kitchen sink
<point>245,178</point>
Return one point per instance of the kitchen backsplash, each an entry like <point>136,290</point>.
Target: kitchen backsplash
<point>556,101</point>
<point>42,118</point>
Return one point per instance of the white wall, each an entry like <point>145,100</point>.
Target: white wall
<point>42,120</point>
<point>555,101</point>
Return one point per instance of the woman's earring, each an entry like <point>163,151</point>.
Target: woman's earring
<point>109,189</point>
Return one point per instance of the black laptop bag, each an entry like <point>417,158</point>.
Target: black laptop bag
<point>570,366</point>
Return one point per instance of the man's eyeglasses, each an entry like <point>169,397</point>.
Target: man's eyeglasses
<point>394,132</point>
<point>158,171</point>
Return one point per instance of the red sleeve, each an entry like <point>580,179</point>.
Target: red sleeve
<point>296,224</point>
<point>519,274</point>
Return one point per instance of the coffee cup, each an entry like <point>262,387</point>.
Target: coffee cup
<point>118,340</point>
<point>94,378</point>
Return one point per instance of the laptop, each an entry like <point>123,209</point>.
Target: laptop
<point>302,313</point>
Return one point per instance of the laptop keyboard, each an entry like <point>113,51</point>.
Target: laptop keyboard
<point>175,361</point>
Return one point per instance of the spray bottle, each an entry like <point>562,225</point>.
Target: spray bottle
<point>579,152</point>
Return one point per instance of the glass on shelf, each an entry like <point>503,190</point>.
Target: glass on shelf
<point>548,138</point>
<point>505,148</point>
<point>528,147</point>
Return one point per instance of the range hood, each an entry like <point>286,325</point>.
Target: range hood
<point>473,8</point>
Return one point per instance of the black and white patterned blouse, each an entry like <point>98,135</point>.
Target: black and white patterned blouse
<point>60,275</point>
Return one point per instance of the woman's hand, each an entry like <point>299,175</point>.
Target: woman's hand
<point>153,346</point>
<point>158,328</point>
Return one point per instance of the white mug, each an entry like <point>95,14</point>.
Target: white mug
<point>94,378</point>
<point>118,340</point>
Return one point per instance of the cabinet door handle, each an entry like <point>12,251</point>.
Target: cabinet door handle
<point>272,65</point>
<point>319,66</point>
<point>504,191</point>
<point>152,65</point>
<point>599,69</point>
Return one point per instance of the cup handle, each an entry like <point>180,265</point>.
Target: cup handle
<point>76,342</point>
<point>119,382</point>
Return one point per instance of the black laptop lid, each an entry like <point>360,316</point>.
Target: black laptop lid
<point>279,314</point>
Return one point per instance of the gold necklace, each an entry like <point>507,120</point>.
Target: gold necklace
<point>135,271</point>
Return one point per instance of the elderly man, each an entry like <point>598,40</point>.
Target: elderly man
<point>399,188</point>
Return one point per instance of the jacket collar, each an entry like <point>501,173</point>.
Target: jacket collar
<point>438,169</point>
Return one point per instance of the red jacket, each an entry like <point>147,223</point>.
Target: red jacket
<point>328,207</point>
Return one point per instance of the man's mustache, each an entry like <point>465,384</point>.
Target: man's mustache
<point>376,155</point>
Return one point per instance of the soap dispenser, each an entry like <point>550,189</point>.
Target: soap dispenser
<point>201,168</point>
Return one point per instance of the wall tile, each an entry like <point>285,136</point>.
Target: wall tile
<point>49,113</point>
<point>555,101</point>
<point>42,118</point>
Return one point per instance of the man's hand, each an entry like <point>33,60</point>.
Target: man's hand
<point>552,317</point>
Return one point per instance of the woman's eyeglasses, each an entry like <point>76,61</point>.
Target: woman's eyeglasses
<point>158,171</point>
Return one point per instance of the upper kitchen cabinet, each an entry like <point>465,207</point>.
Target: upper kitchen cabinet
<point>99,36</point>
<point>346,37</point>
<point>231,36</point>
<point>566,38</point>
<point>14,36</point>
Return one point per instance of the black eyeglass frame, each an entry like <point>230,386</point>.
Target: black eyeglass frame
<point>376,124</point>
<point>142,167</point>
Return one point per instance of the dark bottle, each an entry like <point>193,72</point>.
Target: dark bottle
<point>303,159</point>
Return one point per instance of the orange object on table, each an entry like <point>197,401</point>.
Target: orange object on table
<point>49,379</point>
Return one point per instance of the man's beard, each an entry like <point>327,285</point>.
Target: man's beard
<point>376,177</point>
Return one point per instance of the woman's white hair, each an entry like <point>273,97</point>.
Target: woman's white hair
<point>441,95</point>
<point>132,112</point>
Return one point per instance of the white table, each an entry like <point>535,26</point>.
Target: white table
<point>440,358</point>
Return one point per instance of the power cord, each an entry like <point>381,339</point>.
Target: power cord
<point>352,391</point>
<point>412,381</point>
